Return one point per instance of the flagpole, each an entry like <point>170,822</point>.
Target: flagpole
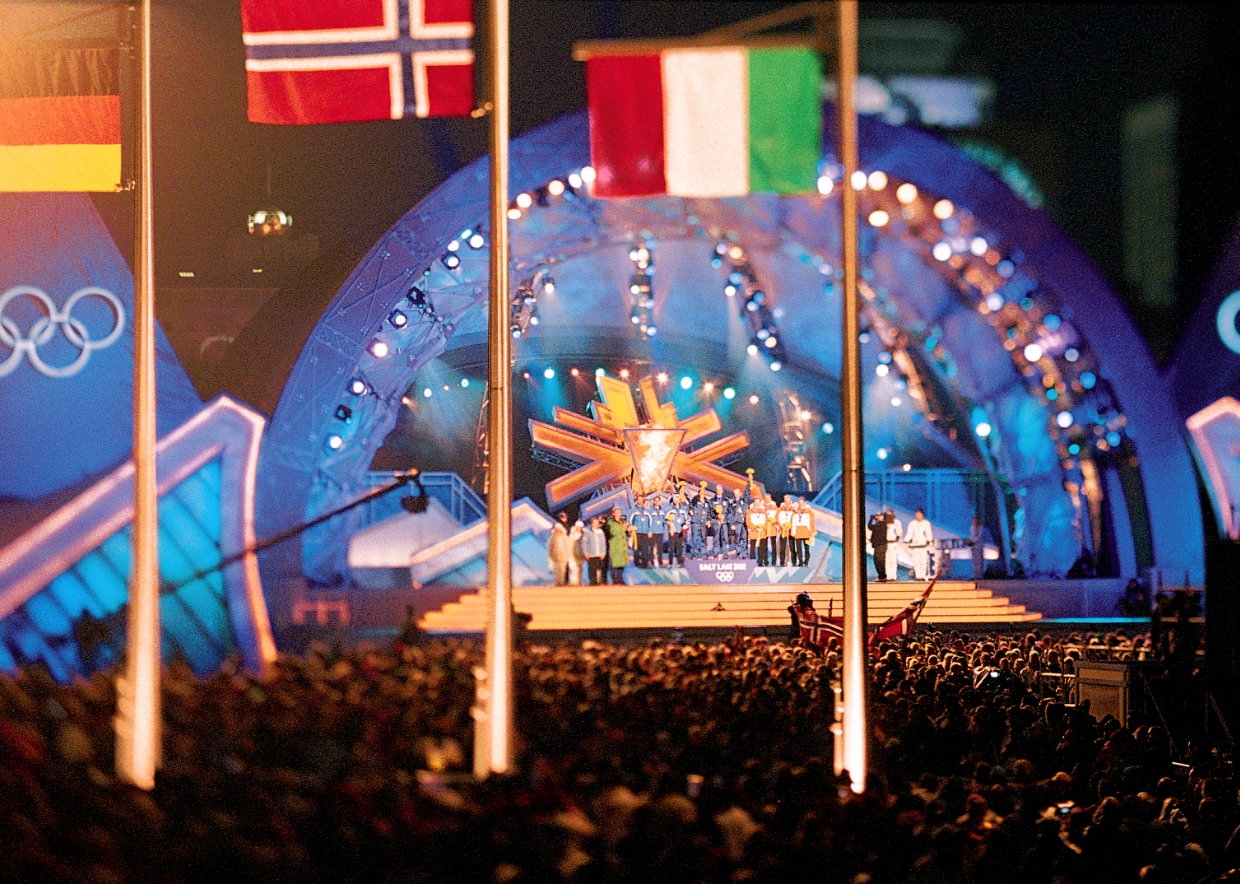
<point>855,730</point>
<point>138,719</point>
<point>493,721</point>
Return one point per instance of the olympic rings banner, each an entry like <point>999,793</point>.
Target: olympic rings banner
<point>66,348</point>
<point>43,329</point>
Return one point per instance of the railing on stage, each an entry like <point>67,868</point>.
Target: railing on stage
<point>452,492</point>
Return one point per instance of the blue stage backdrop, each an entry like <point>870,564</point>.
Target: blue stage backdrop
<point>992,345</point>
<point>66,348</point>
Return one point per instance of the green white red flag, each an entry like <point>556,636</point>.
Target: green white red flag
<point>711,122</point>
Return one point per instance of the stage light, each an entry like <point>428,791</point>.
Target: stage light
<point>334,442</point>
<point>1026,303</point>
<point>651,331</point>
<point>878,218</point>
<point>525,375</point>
<point>825,185</point>
<point>906,193</point>
<point>464,382</point>
<point>534,319</point>
<point>1088,380</point>
<point>344,413</point>
<point>864,337</point>
<point>398,319</point>
<point>575,371</point>
<point>882,453</point>
<point>1052,394</point>
<point>1114,438</point>
<point>753,399</point>
<point>776,365</point>
<point>1074,448</point>
<point>587,174</point>
<point>752,349</point>
<point>716,261</point>
<point>885,357</point>
<point>1033,352</point>
<point>514,213</point>
<point>941,251</point>
<point>451,262</point>
<point>825,269</point>
<point>661,377</point>
<point>943,209</point>
<point>416,297</point>
<point>709,386</point>
<point>598,372</point>
<point>729,393</point>
<point>378,349</point>
<point>686,382</point>
<point>994,301</point>
<point>549,285</point>
<point>454,245</point>
<point>357,387</point>
<point>1072,354</point>
<point>405,400</point>
<point>1051,321</point>
<point>978,246</point>
<point>477,241</point>
<point>736,253</point>
<point>516,331</point>
<point>858,180</point>
<point>1005,268</point>
<point>548,373</point>
<point>721,248</point>
<point>896,401</point>
<point>445,388</point>
<point>877,180</point>
<point>624,374</point>
<point>427,392</point>
<point>770,342</point>
<point>735,278</point>
<point>1064,419</point>
<point>524,200</point>
<point>763,334</point>
<point>881,370</point>
<point>804,415</point>
<point>556,187</point>
<point>574,181</point>
<point>828,428</point>
<point>635,318</point>
<point>642,255</point>
<point>752,306</point>
<point>729,290</point>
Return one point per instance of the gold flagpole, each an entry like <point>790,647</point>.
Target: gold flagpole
<point>138,718</point>
<point>855,731</point>
<point>493,716</point>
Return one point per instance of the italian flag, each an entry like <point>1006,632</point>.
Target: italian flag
<point>711,122</point>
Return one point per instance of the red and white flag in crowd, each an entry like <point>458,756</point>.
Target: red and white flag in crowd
<point>340,61</point>
<point>905,622</point>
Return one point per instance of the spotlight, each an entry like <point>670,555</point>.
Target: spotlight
<point>651,331</point>
<point>882,453</point>
<point>464,382</point>
<point>729,393</point>
<point>1033,352</point>
<point>624,374</point>
<point>598,372</point>
<point>906,193</point>
<point>1088,380</point>
<point>533,319</point>
<point>858,180</point>
<point>828,428</point>
<point>770,342</point>
<point>556,187</point>
<point>1064,419</point>
<point>941,251</point>
<point>885,357</point>
<point>721,249</point>
<point>877,180</point>
<point>516,331</point>
<point>574,181</point>
<point>709,387</point>
<point>398,319</point>
<point>334,442</point>
<point>878,218</point>
<point>735,278</point>
<point>752,306</point>
<point>574,371</point>
<point>978,246</point>
<point>825,185</point>
<point>426,392</point>
<point>514,213</point>
<point>378,349</point>
<point>476,241</point>
<point>729,290</point>
<point>357,387</point>
<point>736,253</point>
<point>344,413</point>
<point>548,285</point>
<point>881,370</point>
<point>686,382</point>
<point>549,373</point>
<point>525,375</point>
<point>776,365</point>
<point>994,301</point>
<point>587,174</point>
<point>753,399</point>
<point>804,415</point>
<point>524,200</point>
<point>454,245</point>
<point>1072,354</point>
<point>896,401</point>
<point>752,349</point>
<point>661,377</point>
<point>763,334</point>
<point>943,209</point>
<point>451,262</point>
<point>907,467</point>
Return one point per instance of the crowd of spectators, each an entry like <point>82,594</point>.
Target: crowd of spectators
<point>653,763</point>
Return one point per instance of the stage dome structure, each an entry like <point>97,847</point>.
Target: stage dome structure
<point>992,346</point>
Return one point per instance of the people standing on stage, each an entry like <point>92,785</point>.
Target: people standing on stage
<point>617,531</point>
<point>594,549</point>
<point>755,528</point>
<point>977,546</point>
<point>639,520</point>
<point>802,532</point>
<point>678,526</point>
<point>772,529</point>
<point>918,538</point>
<point>783,519</point>
<point>559,551</point>
<point>658,524</point>
<point>877,526</point>
<point>895,532</point>
<point>738,522</point>
<point>576,560</point>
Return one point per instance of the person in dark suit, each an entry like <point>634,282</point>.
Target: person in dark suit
<point>878,539</point>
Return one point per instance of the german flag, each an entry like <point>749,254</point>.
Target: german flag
<point>60,120</point>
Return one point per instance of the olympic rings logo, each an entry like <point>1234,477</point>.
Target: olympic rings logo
<point>42,331</point>
<point>724,576</point>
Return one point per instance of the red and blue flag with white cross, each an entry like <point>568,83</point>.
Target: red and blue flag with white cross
<point>342,61</point>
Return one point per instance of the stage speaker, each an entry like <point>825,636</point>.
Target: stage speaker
<point>1223,625</point>
<point>1107,687</point>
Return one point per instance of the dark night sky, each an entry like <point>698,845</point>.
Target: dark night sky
<point>1065,74</point>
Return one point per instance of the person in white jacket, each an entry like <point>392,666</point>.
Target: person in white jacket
<point>559,551</point>
<point>918,538</point>
<point>894,532</point>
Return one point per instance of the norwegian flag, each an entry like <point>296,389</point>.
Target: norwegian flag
<point>816,629</point>
<point>905,622</point>
<point>342,61</point>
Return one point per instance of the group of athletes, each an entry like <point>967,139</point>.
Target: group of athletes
<point>666,529</point>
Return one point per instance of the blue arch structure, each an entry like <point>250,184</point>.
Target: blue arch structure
<point>415,296</point>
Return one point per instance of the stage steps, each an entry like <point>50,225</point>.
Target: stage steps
<point>691,606</point>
